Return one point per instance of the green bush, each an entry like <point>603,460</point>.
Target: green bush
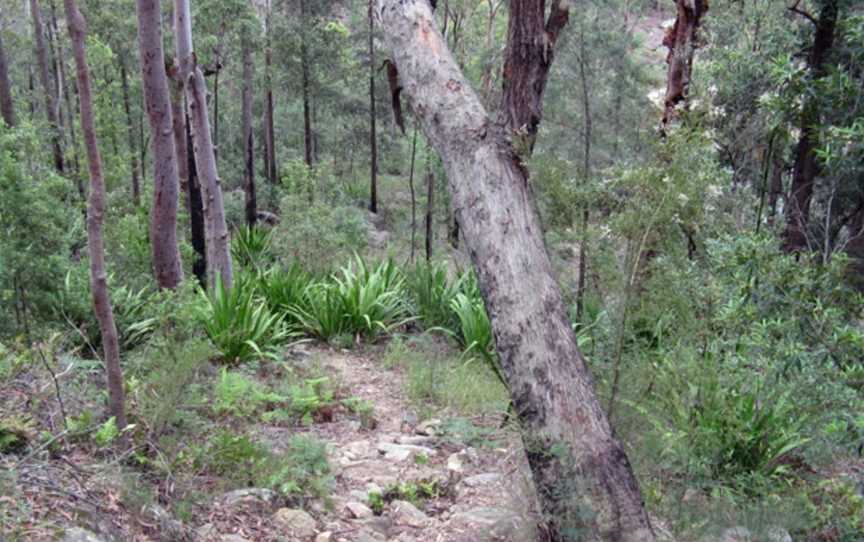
<point>250,246</point>
<point>432,294</point>
<point>240,325</point>
<point>283,290</point>
<point>239,395</point>
<point>300,474</point>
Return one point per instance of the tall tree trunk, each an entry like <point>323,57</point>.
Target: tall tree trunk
<point>304,68</point>
<point>195,205</point>
<point>373,135</point>
<point>216,114</point>
<point>70,121</point>
<point>270,135</point>
<point>6,107</point>
<point>430,211</point>
<point>217,239</point>
<point>586,172</point>
<point>413,194</point>
<point>248,143</point>
<point>581,472</point>
<point>807,165</point>
<point>775,191</point>
<point>681,40</point>
<point>130,130</point>
<point>45,80</point>
<point>530,51</point>
<point>163,215</point>
<point>855,246</point>
<point>95,216</point>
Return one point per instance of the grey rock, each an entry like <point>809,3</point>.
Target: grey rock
<point>294,522</point>
<point>416,440</point>
<point>358,510</point>
<point>405,513</point>
<point>493,524</point>
<point>456,462</point>
<point>378,524</point>
<point>778,534</point>
<point>232,538</point>
<point>483,479</point>
<point>169,527</point>
<point>402,452</point>
<point>206,533</point>
<point>358,450</point>
<point>77,534</point>
<point>247,496</point>
<point>326,536</point>
<point>429,427</point>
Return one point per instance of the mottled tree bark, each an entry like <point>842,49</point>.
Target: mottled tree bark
<point>586,487</point>
<point>130,130</point>
<point>373,134</point>
<point>196,213</point>
<point>163,215</point>
<point>45,80</point>
<point>217,239</point>
<point>807,165</point>
<point>248,143</point>
<point>95,216</point>
<point>681,40</point>
<point>7,109</point>
<point>530,50</point>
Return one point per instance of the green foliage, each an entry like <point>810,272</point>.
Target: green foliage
<point>231,455</point>
<point>310,397</point>
<point>250,246</point>
<point>239,323</point>
<point>106,433</point>
<point>284,289</point>
<point>239,395</point>
<point>432,294</point>
<point>15,434</point>
<point>301,473</point>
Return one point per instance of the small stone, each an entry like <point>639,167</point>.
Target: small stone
<point>428,428</point>
<point>206,533</point>
<point>368,536</point>
<point>326,536</point>
<point>358,510</point>
<point>232,538</point>
<point>168,526</point>
<point>293,522</point>
<point>456,462</point>
<point>379,524</point>
<point>77,534</point>
<point>736,534</point>
<point>482,479</point>
<point>416,440</point>
<point>402,452</point>
<point>358,449</point>
<point>778,534</point>
<point>405,513</point>
<point>248,496</point>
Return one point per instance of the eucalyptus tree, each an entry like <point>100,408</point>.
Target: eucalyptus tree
<point>585,483</point>
<point>47,85</point>
<point>7,109</point>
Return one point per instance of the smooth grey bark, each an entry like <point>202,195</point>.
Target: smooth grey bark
<point>95,216</point>
<point>45,81</point>
<point>163,215</point>
<point>7,109</point>
<point>585,483</point>
<point>218,249</point>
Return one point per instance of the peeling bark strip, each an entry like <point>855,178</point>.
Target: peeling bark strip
<point>530,51</point>
<point>163,215</point>
<point>95,215</point>
<point>218,250</point>
<point>586,486</point>
<point>807,165</point>
<point>681,40</point>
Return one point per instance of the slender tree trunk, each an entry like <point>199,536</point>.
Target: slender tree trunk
<point>775,192</point>
<point>430,212</point>
<point>70,121</point>
<point>270,135</point>
<point>304,68</point>
<point>248,143</point>
<point>807,166</point>
<point>95,216</point>
<point>681,40</point>
<point>163,215</point>
<point>586,172</point>
<point>196,213</point>
<point>7,109</point>
<point>413,194</point>
<point>45,80</point>
<point>855,246</point>
<point>130,130</point>
<point>530,51</point>
<point>581,472</point>
<point>217,239</point>
<point>373,135</point>
<point>216,115</point>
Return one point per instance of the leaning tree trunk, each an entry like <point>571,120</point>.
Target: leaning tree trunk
<point>217,242</point>
<point>248,143</point>
<point>586,485</point>
<point>6,108</point>
<point>47,87</point>
<point>163,215</point>
<point>681,40</point>
<point>806,162</point>
<point>373,135</point>
<point>130,132</point>
<point>95,215</point>
<point>530,51</point>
